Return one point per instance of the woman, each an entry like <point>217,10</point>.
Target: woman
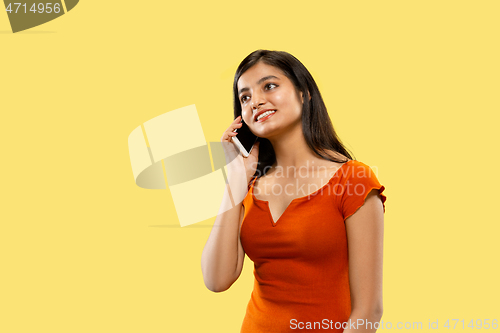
<point>315,233</point>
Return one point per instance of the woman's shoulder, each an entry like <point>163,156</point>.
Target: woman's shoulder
<point>345,160</point>
<point>358,171</point>
<point>339,161</point>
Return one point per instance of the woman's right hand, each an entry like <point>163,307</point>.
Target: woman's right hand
<point>232,152</point>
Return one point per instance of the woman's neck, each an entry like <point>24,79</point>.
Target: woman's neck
<point>291,150</point>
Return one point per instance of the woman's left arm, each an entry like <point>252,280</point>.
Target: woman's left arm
<point>365,233</point>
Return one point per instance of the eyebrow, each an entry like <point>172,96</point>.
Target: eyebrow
<point>259,82</point>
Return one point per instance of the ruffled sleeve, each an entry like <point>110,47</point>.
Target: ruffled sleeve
<point>360,180</point>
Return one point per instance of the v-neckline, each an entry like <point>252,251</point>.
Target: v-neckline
<point>295,199</point>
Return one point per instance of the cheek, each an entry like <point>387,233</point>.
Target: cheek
<point>288,100</point>
<point>280,100</point>
<point>246,115</point>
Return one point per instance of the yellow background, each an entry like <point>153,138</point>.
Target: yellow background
<point>412,89</point>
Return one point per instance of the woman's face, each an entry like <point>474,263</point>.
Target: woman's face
<point>263,87</point>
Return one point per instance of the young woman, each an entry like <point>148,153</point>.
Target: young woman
<point>312,216</point>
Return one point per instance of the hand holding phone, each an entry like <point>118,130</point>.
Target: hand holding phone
<point>245,140</point>
<point>240,135</point>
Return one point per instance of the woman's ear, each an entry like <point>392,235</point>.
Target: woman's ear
<point>302,96</point>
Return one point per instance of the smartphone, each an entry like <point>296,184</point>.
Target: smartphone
<point>245,139</point>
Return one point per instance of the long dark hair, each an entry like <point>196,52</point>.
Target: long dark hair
<point>316,124</point>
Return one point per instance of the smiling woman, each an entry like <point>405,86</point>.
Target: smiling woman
<point>317,253</point>
<point>265,96</point>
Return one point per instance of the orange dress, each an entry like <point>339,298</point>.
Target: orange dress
<point>301,262</point>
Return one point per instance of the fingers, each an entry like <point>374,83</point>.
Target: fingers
<point>236,124</point>
<point>230,132</point>
<point>235,128</point>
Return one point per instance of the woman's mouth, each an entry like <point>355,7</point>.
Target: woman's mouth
<point>266,115</point>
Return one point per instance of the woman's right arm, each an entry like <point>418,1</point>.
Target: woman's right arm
<point>223,256</point>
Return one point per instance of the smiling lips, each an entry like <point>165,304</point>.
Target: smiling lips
<point>264,114</point>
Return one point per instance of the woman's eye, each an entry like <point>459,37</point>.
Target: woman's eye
<point>243,99</point>
<point>271,85</point>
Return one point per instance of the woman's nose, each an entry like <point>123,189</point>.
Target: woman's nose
<point>257,100</point>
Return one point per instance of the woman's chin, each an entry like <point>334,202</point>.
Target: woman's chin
<point>275,130</point>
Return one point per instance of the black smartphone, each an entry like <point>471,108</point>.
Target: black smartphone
<point>245,139</point>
